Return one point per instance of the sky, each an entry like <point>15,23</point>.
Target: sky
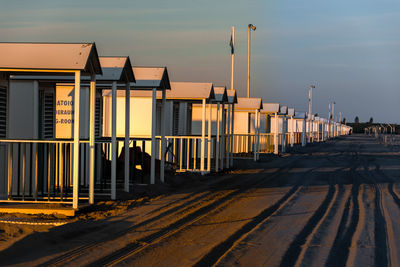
<point>348,49</point>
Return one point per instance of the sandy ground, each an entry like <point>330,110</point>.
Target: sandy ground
<point>332,204</point>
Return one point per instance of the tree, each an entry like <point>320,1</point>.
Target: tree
<point>371,120</point>
<point>356,120</point>
<point>344,121</point>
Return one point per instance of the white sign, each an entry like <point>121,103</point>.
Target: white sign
<point>64,111</point>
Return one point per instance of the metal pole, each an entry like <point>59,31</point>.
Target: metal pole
<point>250,27</point>
<point>233,56</point>
<point>248,62</point>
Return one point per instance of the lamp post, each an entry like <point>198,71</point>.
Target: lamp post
<point>310,113</point>
<point>250,27</point>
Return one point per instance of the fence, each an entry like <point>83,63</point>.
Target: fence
<point>41,171</point>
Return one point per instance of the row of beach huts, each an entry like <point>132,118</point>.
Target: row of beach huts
<point>68,146</point>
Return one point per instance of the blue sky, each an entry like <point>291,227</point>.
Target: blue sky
<point>348,49</point>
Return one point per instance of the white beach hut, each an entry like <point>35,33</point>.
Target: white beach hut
<point>29,135</point>
<point>246,126</point>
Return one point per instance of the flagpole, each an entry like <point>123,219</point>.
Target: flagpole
<point>233,55</point>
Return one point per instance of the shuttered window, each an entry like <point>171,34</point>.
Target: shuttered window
<point>3,112</point>
<point>47,114</point>
<point>98,117</point>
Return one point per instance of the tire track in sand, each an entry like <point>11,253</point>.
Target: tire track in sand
<point>391,242</point>
<point>151,240</point>
<point>345,245</point>
<point>359,213</point>
<point>309,238</point>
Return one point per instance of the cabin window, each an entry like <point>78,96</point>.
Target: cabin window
<point>98,116</point>
<point>47,110</point>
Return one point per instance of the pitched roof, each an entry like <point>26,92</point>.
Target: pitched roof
<point>245,103</point>
<point>270,108</point>
<point>151,77</point>
<point>283,110</point>
<point>300,115</point>
<point>291,112</point>
<point>232,97</point>
<point>116,69</point>
<point>220,94</point>
<point>179,91</point>
<point>50,56</point>
<point>191,90</point>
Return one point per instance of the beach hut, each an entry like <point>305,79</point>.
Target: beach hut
<point>32,128</point>
<point>143,121</point>
<point>282,113</point>
<point>291,125</point>
<point>232,100</point>
<point>116,73</point>
<point>183,134</point>
<point>269,128</point>
<point>246,126</point>
<point>221,98</point>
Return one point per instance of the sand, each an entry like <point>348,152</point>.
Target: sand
<point>334,204</point>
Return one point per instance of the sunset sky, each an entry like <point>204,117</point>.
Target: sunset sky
<point>348,49</point>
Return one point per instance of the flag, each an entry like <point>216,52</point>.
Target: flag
<point>232,46</point>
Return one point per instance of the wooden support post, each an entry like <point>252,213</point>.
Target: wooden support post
<point>127,135</point>
<point>114,141</point>
<point>77,90</point>
<point>303,139</point>
<point>209,138</point>
<point>163,145</point>
<point>276,142</point>
<point>222,150</point>
<point>153,136</point>
<point>228,139</point>
<point>203,135</point>
<point>292,132</point>
<point>283,135</point>
<point>217,147</point>
<point>255,134</point>
<point>91,136</point>
<point>232,133</point>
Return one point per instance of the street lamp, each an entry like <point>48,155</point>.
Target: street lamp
<point>250,27</point>
<point>310,112</point>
